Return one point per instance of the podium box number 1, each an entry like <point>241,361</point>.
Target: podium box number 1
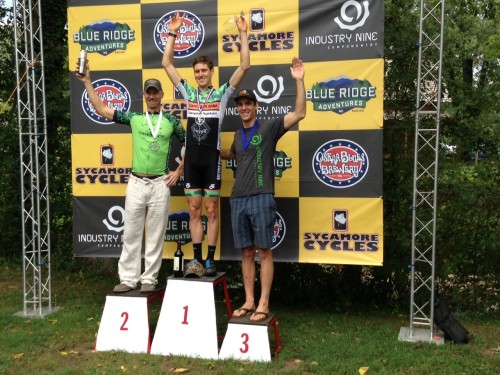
<point>187,323</point>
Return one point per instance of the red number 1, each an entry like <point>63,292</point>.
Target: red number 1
<point>185,315</point>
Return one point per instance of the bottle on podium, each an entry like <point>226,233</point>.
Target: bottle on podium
<point>179,261</point>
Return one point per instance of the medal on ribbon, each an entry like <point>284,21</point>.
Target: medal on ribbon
<point>154,146</point>
<point>246,138</point>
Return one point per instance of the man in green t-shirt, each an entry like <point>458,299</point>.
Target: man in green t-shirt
<point>147,196</point>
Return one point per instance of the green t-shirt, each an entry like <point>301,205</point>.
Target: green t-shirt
<point>150,154</point>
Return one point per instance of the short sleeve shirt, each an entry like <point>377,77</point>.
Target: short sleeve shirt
<point>150,154</point>
<point>255,165</point>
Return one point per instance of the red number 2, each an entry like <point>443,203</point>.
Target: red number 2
<point>245,338</point>
<point>125,316</point>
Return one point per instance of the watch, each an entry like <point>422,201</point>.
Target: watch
<point>172,34</point>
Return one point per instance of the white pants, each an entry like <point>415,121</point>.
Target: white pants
<point>146,207</point>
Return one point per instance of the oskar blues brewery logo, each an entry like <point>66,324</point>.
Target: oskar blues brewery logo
<point>178,227</point>
<point>113,222</point>
<point>104,37</point>
<point>281,163</point>
<point>340,163</point>
<point>345,241</point>
<point>348,21</point>
<point>279,230</point>
<point>103,175</point>
<point>340,95</point>
<point>189,37</point>
<point>113,94</point>
<point>259,40</point>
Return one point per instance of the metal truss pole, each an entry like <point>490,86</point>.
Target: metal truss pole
<point>32,124</point>
<point>425,177</point>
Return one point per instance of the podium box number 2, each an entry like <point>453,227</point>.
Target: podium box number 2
<point>125,322</point>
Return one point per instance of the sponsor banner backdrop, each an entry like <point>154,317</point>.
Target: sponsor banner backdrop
<point>341,29</point>
<point>344,95</point>
<point>110,34</point>
<point>101,164</point>
<point>272,34</point>
<point>341,164</point>
<point>328,168</point>
<point>341,231</point>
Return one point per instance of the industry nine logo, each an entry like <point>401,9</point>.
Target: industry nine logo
<point>263,94</point>
<point>346,21</point>
<point>116,219</point>
<point>113,94</point>
<point>189,37</point>
<point>340,163</point>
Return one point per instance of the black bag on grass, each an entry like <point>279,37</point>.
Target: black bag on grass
<point>445,320</point>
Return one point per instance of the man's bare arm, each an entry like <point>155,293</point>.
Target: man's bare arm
<point>299,112</point>
<point>242,70</point>
<point>167,60</point>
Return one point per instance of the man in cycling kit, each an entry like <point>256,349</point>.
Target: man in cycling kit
<point>147,196</point>
<point>202,164</point>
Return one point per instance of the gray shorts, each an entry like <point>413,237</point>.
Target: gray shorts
<point>253,218</point>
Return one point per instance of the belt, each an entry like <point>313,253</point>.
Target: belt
<point>148,177</point>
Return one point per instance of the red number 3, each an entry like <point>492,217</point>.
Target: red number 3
<point>245,338</point>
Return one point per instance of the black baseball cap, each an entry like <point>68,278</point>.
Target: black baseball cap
<point>246,93</point>
<point>152,82</point>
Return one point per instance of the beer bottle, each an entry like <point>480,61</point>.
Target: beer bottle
<point>179,261</point>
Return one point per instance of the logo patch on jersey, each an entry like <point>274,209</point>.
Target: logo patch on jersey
<point>340,163</point>
<point>189,37</point>
<point>113,94</point>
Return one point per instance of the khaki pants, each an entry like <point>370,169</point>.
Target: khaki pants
<point>146,211</point>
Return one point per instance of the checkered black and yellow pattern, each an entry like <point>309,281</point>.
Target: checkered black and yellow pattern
<point>328,168</point>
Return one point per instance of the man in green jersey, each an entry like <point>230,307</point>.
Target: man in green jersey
<point>147,196</point>
<point>202,169</point>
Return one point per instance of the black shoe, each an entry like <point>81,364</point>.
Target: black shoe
<point>210,269</point>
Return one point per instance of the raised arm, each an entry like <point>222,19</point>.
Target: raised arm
<point>240,72</point>
<point>299,112</point>
<point>99,106</point>
<point>167,60</point>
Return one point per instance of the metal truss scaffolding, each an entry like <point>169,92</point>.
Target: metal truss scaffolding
<point>425,177</point>
<point>32,124</point>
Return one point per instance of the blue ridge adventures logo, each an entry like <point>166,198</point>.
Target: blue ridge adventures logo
<point>341,94</point>
<point>104,37</point>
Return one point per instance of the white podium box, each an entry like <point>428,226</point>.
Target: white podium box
<point>125,322</point>
<point>187,323</point>
<point>249,340</point>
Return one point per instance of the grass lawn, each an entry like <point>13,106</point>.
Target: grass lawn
<point>314,341</point>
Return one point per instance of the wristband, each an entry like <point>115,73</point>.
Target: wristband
<point>172,34</point>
